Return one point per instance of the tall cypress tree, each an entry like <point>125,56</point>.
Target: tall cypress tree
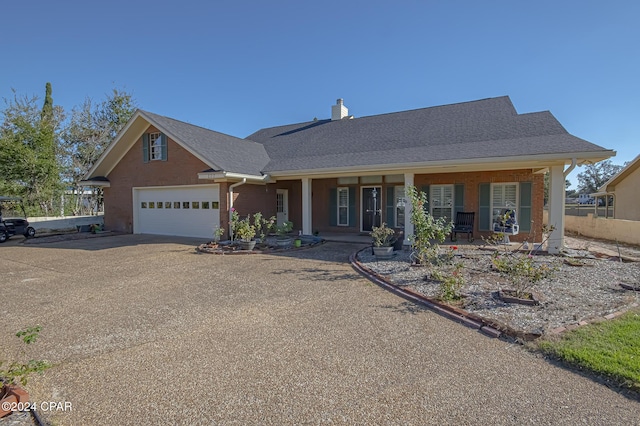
<point>45,179</point>
<point>49,173</point>
<point>47,108</point>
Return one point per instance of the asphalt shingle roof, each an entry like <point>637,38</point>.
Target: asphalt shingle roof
<point>226,153</point>
<point>483,129</point>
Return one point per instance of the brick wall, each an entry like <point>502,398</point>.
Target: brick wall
<point>181,168</point>
<point>321,190</point>
<point>251,198</point>
<point>472,182</point>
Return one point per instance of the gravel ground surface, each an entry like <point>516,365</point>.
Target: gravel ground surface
<point>143,330</point>
<point>573,294</point>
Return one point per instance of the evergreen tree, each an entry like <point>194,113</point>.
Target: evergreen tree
<point>28,141</point>
<point>47,182</point>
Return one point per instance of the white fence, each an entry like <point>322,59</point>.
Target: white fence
<point>67,222</point>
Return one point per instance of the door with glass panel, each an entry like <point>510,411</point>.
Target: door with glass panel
<point>371,207</point>
<point>282,206</point>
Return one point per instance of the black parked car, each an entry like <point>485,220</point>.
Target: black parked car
<point>11,226</point>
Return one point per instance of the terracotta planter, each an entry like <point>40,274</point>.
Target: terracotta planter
<point>11,394</point>
<point>509,296</point>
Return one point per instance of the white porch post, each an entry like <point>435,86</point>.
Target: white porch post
<point>306,206</point>
<point>556,208</point>
<point>408,226</point>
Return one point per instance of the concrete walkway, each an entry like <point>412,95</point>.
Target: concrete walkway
<point>145,331</point>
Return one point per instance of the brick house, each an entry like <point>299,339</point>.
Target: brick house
<point>343,174</point>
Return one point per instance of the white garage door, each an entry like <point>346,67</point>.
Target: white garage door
<point>189,211</point>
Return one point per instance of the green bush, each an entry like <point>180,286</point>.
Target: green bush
<point>428,231</point>
<point>18,372</point>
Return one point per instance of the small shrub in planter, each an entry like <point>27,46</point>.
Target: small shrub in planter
<point>382,236</point>
<point>282,231</point>
<point>383,239</point>
<point>242,228</point>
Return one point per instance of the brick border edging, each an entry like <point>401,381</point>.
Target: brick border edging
<point>488,327</point>
<point>449,312</point>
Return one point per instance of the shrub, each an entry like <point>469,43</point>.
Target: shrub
<point>426,229</point>
<point>382,236</point>
<point>19,372</point>
<point>452,284</point>
<point>521,270</point>
<point>284,228</point>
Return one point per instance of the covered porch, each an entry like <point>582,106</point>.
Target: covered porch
<point>345,208</point>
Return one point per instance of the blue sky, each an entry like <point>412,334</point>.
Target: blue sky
<point>238,66</point>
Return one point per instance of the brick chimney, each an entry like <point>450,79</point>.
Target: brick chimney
<point>339,111</point>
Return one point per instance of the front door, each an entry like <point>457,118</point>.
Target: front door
<point>371,210</point>
<point>282,205</point>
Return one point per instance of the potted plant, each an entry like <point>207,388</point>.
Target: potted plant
<point>282,231</point>
<point>263,226</point>
<point>217,234</point>
<point>17,373</point>
<point>383,239</point>
<point>243,229</point>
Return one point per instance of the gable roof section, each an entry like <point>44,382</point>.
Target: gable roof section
<point>610,185</point>
<point>464,132</point>
<point>220,152</point>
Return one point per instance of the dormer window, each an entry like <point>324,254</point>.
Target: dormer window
<point>155,143</point>
<point>154,147</point>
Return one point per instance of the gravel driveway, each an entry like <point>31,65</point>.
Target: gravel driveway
<point>145,331</point>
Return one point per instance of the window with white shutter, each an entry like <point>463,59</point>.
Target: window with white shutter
<point>441,201</point>
<point>343,206</point>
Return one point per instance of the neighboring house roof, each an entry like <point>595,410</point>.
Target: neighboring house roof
<point>484,129</point>
<point>610,185</point>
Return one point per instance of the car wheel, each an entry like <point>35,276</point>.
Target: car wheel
<point>30,232</point>
<point>3,237</point>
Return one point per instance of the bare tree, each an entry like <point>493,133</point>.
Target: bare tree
<point>91,128</point>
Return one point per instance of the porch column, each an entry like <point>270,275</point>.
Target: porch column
<point>306,207</point>
<point>556,208</point>
<point>408,226</point>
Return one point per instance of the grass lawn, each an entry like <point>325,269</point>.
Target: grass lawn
<point>610,348</point>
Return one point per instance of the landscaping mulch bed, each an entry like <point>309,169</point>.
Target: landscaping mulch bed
<point>583,289</point>
<point>270,246</point>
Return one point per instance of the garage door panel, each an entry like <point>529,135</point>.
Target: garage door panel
<point>187,211</point>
